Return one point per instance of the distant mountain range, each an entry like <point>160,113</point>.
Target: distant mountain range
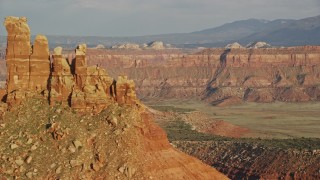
<point>280,32</point>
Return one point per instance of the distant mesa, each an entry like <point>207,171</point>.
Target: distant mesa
<point>127,46</point>
<point>234,45</point>
<point>253,45</point>
<point>144,45</point>
<point>100,46</point>
<point>258,44</point>
<point>154,45</point>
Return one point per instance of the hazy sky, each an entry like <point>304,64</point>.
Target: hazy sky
<point>145,17</point>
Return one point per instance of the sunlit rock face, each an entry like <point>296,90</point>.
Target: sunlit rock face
<point>255,74</point>
<point>31,74</point>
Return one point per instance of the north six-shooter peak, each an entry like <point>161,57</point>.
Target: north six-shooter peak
<point>30,73</point>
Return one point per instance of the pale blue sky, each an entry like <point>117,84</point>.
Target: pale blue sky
<point>145,17</point>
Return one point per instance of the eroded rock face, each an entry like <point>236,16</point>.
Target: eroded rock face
<point>92,85</point>
<point>28,67</point>
<point>267,75</point>
<point>18,53</point>
<point>85,89</point>
<point>125,91</point>
<point>256,161</point>
<point>39,65</point>
<point>257,74</point>
<point>159,73</point>
<point>62,79</point>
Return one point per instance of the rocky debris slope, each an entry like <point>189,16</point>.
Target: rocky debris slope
<point>67,120</point>
<point>121,142</point>
<point>241,160</point>
<point>220,75</point>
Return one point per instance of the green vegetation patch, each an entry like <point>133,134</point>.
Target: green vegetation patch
<point>172,109</point>
<point>178,130</point>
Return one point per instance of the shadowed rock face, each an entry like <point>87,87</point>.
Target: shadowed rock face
<point>217,75</point>
<point>30,74</point>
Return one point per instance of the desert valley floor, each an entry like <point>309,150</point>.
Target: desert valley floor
<point>264,120</point>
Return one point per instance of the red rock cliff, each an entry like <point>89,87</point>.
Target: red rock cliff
<point>263,75</point>
<point>159,74</point>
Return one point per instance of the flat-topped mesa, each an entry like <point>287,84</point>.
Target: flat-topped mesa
<point>86,89</point>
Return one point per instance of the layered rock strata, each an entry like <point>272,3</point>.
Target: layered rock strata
<point>159,74</point>
<point>239,160</point>
<point>267,75</point>
<point>219,75</point>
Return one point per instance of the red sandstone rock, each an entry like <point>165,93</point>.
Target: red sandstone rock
<point>86,89</point>
<point>39,65</point>
<point>217,74</point>
<point>165,162</point>
<point>3,93</point>
<point>18,53</point>
<point>125,91</point>
<point>62,80</point>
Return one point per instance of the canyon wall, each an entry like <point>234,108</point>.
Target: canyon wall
<point>266,75</point>
<point>160,74</point>
<point>239,160</point>
<point>219,75</point>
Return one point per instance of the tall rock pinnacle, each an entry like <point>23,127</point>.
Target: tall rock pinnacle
<point>31,74</point>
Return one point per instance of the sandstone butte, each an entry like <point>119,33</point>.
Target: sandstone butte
<point>218,75</point>
<point>87,90</point>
